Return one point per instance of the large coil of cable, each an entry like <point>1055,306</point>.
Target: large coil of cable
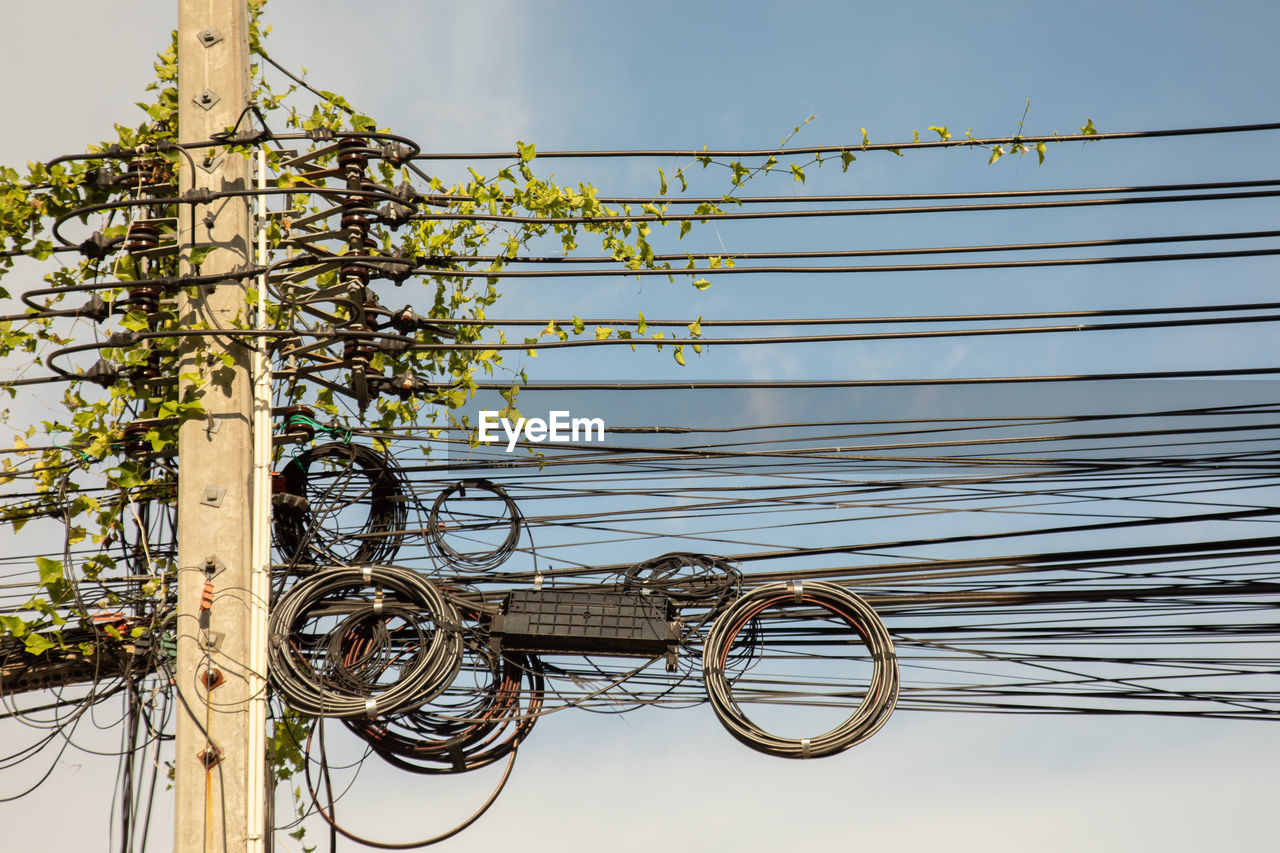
<point>468,727</point>
<point>361,642</point>
<point>877,702</point>
<point>348,506</point>
<point>474,532</point>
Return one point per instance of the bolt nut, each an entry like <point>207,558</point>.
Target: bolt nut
<point>209,37</point>
<point>206,99</point>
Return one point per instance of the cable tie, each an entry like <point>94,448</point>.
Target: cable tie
<point>798,588</point>
<point>367,574</point>
<point>377,603</point>
<point>371,707</point>
<point>804,746</point>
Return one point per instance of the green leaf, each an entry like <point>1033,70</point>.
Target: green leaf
<point>36,644</point>
<point>797,173</point>
<point>1088,129</point>
<point>996,153</point>
<point>845,159</point>
<point>50,570</point>
<point>135,321</point>
<point>14,626</point>
<point>578,325</point>
<point>702,284</point>
<point>1040,152</point>
<point>678,354</point>
<point>695,328</point>
<point>641,325</point>
<point>943,133</point>
<point>527,152</point>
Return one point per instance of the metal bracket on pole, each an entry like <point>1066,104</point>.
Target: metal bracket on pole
<point>211,678</point>
<point>210,162</point>
<point>210,756</point>
<point>209,36</point>
<point>206,99</point>
<point>212,565</point>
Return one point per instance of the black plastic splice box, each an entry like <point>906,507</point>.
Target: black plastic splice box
<point>603,623</point>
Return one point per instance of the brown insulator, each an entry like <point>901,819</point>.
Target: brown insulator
<point>150,371</point>
<point>354,272</point>
<point>354,220</point>
<point>145,299</point>
<point>361,247</point>
<point>352,156</point>
<point>294,426</point>
<point>357,350</point>
<point>134,439</point>
<point>142,236</point>
<point>148,172</point>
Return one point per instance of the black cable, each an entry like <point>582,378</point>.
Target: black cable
<point>840,149</point>
<point>611,219</point>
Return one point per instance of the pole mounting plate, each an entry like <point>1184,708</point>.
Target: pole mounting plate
<point>206,99</point>
<point>209,36</point>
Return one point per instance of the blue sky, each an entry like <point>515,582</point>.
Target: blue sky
<point>478,76</point>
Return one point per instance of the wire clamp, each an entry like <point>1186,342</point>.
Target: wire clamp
<point>797,587</point>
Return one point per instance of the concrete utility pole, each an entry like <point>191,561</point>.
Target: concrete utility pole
<point>219,729</point>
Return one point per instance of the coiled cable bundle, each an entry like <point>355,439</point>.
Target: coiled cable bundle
<point>699,585</point>
<point>473,524</point>
<point>366,641</point>
<point>877,702</point>
<point>464,732</point>
<point>354,509</point>
<point>688,580</point>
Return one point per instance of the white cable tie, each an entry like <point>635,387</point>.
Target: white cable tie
<point>371,708</point>
<point>537,582</point>
<point>804,748</point>
<point>377,603</point>
<point>798,588</point>
<point>367,573</point>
